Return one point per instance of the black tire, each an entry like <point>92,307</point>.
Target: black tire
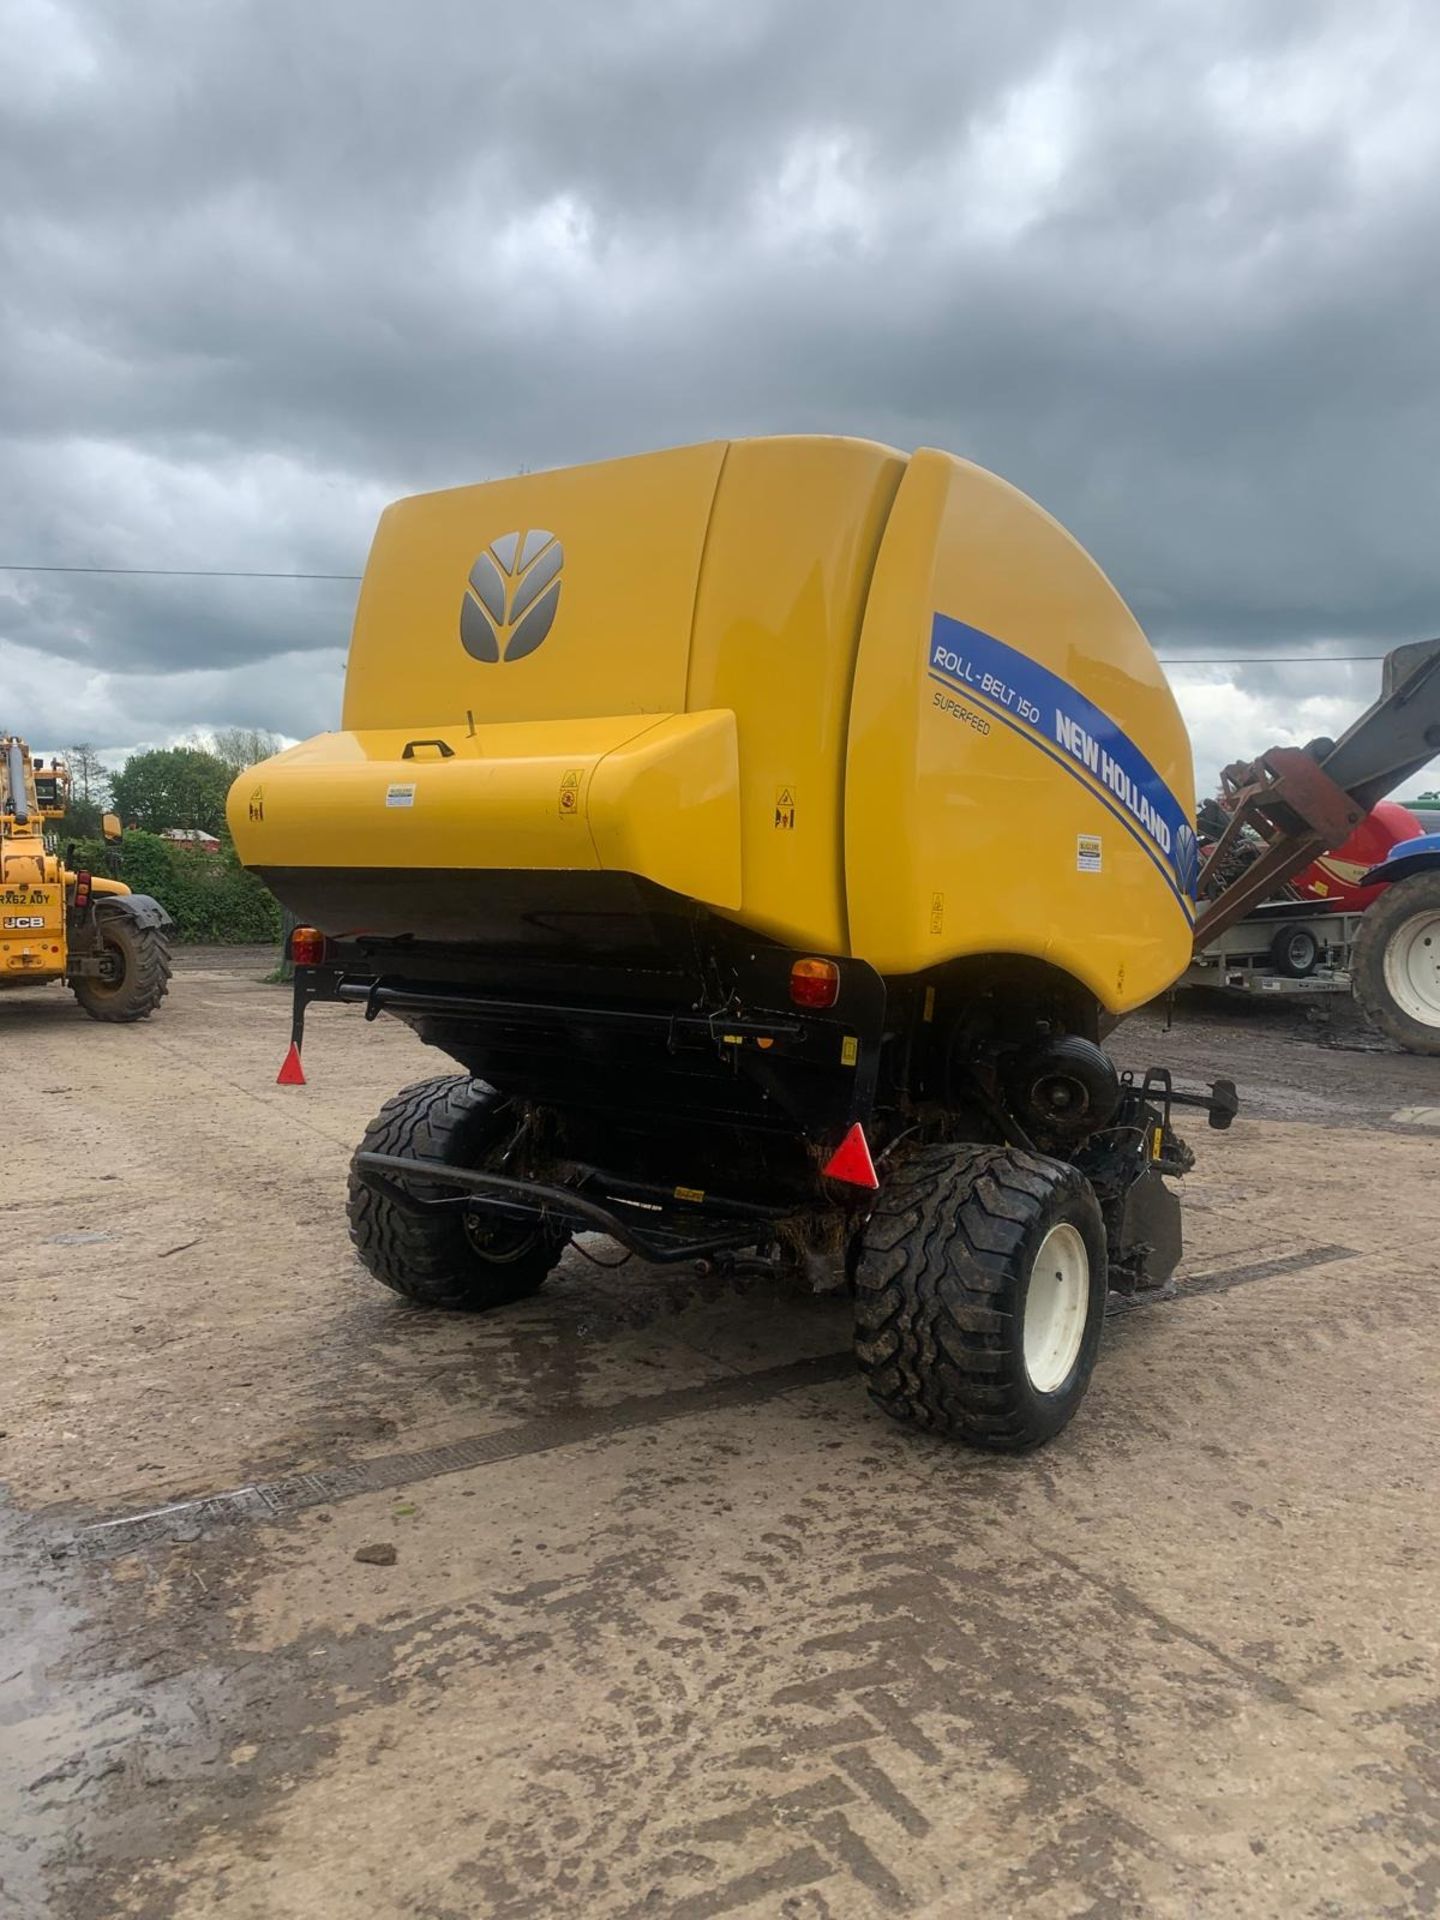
<point>1295,952</point>
<point>942,1282</point>
<point>141,956</point>
<point>1395,964</point>
<point>444,1259</point>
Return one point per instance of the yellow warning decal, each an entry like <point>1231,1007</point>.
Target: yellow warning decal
<point>570,793</point>
<point>690,1193</point>
<point>937,913</point>
<point>849,1050</point>
<point>784,809</point>
<point>928,1011</point>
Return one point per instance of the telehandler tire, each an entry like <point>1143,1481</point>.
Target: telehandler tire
<point>142,959</point>
<point>1395,963</point>
<point>980,1294</point>
<point>444,1259</point>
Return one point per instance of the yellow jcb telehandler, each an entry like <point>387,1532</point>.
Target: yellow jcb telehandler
<point>109,945</point>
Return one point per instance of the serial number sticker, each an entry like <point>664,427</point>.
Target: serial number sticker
<point>23,921</point>
<point>400,796</point>
<point>1087,853</point>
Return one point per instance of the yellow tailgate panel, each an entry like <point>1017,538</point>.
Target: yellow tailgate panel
<point>1020,779</point>
<point>619,559</point>
<point>655,795</point>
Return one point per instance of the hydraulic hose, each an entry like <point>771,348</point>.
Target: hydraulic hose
<point>15,779</point>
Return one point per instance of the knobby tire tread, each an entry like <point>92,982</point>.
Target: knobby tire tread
<point>938,1289</point>
<point>146,982</point>
<point>428,1258</point>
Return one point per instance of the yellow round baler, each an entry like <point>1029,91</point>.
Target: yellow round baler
<point>768,829</point>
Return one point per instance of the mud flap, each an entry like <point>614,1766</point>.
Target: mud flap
<point>139,907</point>
<point>1146,1249</point>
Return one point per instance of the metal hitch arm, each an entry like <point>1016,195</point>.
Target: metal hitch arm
<point>684,1240</point>
<point>1304,803</point>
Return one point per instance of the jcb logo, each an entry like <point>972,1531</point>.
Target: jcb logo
<point>514,589</point>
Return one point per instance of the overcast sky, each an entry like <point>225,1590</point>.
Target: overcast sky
<point>1172,269</point>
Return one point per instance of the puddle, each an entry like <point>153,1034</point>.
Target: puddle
<point>58,1736</point>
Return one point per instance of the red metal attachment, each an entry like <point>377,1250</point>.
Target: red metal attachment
<point>1303,801</point>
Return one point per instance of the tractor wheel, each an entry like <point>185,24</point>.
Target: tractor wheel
<point>1295,952</point>
<point>451,1257</point>
<point>1395,965</point>
<point>980,1294</point>
<point>139,976</point>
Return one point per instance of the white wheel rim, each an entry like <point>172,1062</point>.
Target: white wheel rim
<point>1057,1305</point>
<point>1412,968</point>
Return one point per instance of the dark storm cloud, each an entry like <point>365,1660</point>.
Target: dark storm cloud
<point>1170,268</point>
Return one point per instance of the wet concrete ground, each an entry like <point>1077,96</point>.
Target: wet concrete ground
<point>676,1624</point>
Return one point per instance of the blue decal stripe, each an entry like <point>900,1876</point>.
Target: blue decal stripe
<point>1067,765</point>
<point>1026,697</point>
<point>1033,693</point>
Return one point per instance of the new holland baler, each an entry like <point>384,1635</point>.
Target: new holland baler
<point>768,831</point>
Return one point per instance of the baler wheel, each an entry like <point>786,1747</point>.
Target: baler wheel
<point>140,957</point>
<point>1395,963</point>
<point>453,1257</point>
<point>980,1294</point>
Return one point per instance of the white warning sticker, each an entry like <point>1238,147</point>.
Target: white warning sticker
<point>1087,853</point>
<point>400,796</point>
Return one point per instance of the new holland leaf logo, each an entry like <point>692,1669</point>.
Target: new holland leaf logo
<point>514,589</point>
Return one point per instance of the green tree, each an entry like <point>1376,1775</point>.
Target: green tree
<point>242,747</point>
<point>209,896</point>
<point>89,790</point>
<point>172,787</point>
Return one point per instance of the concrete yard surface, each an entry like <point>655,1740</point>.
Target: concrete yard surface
<point>659,1617</point>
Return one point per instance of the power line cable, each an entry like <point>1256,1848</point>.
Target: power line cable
<point>245,573</point>
<point>180,573</point>
<point>1262,659</point>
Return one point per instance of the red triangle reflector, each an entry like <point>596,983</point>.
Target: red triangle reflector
<point>851,1161</point>
<point>291,1073</point>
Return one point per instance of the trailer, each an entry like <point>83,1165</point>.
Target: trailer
<point>1281,949</point>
